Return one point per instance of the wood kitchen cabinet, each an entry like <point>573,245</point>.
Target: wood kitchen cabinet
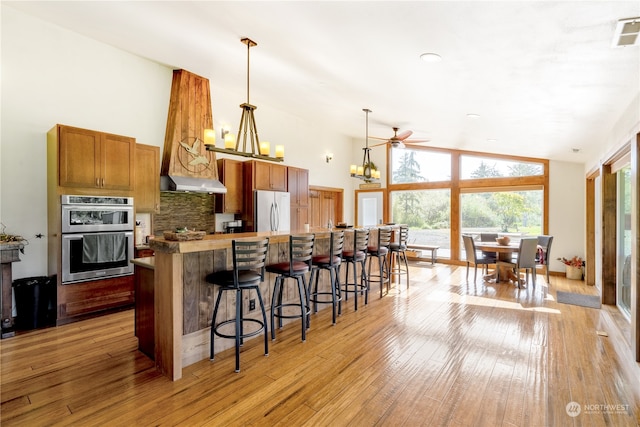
<point>325,204</point>
<point>268,176</point>
<point>298,185</point>
<point>147,178</point>
<point>230,173</point>
<point>94,160</point>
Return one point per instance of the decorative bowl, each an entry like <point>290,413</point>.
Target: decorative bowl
<point>503,241</point>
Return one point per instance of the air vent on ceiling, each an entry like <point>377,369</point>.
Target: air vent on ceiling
<point>627,33</point>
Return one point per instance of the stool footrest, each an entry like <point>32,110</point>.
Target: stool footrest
<point>233,322</point>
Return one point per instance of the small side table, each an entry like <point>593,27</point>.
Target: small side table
<point>9,253</point>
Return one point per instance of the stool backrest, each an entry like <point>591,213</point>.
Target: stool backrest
<point>384,237</point>
<point>403,235</point>
<point>300,249</point>
<point>249,255</point>
<point>360,240</point>
<point>335,247</point>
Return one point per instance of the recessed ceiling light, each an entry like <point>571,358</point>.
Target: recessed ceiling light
<point>492,140</point>
<point>431,57</point>
<point>473,115</point>
<point>575,150</point>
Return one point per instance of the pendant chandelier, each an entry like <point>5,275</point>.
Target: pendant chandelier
<point>367,172</point>
<point>247,131</point>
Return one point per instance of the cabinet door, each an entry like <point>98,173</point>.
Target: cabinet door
<point>299,217</point>
<point>298,186</point>
<point>314,214</point>
<point>262,176</point>
<point>147,178</point>
<point>278,177</point>
<point>117,160</point>
<point>79,157</point>
<point>230,172</point>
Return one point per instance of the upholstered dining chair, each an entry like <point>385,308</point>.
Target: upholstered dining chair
<point>473,258</point>
<point>488,237</point>
<point>524,259</point>
<point>544,252</point>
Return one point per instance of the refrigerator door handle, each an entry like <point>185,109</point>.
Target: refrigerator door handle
<point>277,217</point>
<point>272,216</point>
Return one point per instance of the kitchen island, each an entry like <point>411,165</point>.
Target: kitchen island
<point>183,300</point>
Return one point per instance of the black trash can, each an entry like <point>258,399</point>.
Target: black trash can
<point>35,302</point>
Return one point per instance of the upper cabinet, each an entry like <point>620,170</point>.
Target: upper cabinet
<point>89,159</point>
<point>230,173</point>
<point>147,178</point>
<point>268,176</point>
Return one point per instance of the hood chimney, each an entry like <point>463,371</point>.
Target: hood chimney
<point>186,164</point>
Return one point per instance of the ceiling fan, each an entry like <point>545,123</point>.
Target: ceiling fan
<point>399,140</point>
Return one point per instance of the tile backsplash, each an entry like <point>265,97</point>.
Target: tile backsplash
<point>192,210</point>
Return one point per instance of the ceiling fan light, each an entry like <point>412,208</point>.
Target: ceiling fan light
<point>430,57</point>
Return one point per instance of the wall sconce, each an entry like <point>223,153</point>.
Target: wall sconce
<point>329,157</point>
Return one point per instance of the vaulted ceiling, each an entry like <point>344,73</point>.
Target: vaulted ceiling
<point>542,77</point>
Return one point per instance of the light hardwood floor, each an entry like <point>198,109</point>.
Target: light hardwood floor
<point>444,353</point>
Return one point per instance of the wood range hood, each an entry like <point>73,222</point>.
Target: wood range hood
<point>186,164</point>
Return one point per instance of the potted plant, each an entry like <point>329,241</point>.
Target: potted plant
<point>574,267</point>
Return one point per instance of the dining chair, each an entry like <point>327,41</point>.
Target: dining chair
<point>295,267</point>
<point>544,252</point>
<point>249,258</point>
<point>488,237</point>
<point>473,258</point>
<point>525,259</point>
<point>380,249</point>
<point>329,261</point>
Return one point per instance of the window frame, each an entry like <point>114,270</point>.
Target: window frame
<point>457,186</point>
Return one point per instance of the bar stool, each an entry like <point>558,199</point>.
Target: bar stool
<point>330,262</point>
<point>247,274</point>
<point>357,254</point>
<point>299,264</point>
<point>398,255</point>
<point>380,251</point>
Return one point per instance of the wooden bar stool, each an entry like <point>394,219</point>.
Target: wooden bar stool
<point>380,250</point>
<point>355,255</point>
<point>330,262</point>
<point>299,264</point>
<point>247,274</point>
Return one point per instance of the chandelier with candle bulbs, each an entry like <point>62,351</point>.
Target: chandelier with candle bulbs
<point>367,172</point>
<point>247,131</point>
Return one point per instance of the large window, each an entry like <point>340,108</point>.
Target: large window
<point>427,213</point>
<point>472,166</point>
<point>442,194</point>
<point>407,166</point>
<point>624,241</point>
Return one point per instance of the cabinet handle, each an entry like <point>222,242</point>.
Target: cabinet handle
<point>97,182</point>
<point>102,182</point>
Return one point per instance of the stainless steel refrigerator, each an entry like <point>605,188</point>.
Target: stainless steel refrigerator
<point>272,210</point>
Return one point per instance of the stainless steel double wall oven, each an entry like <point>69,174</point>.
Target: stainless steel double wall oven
<point>97,237</point>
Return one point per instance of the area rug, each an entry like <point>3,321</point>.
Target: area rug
<point>591,301</point>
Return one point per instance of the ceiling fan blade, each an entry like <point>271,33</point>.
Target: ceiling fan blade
<point>381,139</point>
<point>378,145</point>
<point>404,135</point>
<point>415,141</point>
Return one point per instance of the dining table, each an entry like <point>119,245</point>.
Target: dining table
<point>503,253</point>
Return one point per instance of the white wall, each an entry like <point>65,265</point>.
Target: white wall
<point>50,75</point>
<point>567,215</point>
